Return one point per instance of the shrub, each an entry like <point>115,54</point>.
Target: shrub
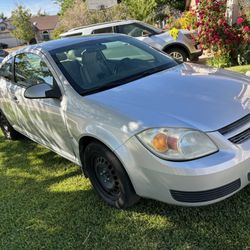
<point>143,10</point>
<point>80,15</point>
<point>230,43</point>
<point>187,20</point>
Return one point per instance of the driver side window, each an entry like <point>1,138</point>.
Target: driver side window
<point>30,69</point>
<point>6,70</point>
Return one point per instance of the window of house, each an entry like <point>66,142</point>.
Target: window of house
<point>2,27</point>
<point>46,36</point>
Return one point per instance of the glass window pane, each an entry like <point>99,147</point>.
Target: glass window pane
<point>30,69</point>
<point>120,50</point>
<point>6,70</point>
<point>133,30</point>
<point>98,64</point>
<point>103,30</point>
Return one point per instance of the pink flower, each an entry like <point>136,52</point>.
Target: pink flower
<point>246,29</point>
<point>240,20</point>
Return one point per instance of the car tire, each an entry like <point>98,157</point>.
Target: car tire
<point>108,176</point>
<point>177,54</point>
<point>195,59</point>
<point>9,132</point>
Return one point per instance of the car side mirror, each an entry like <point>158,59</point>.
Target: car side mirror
<point>145,33</point>
<point>42,91</point>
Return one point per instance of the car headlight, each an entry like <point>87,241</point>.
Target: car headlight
<point>177,144</point>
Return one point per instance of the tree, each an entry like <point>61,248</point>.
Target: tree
<point>2,16</point>
<point>80,15</point>
<point>177,4</point>
<point>41,12</point>
<point>65,5</point>
<point>21,21</point>
<point>143,10</point>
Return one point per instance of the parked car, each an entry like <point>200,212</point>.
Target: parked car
<point>137,122</point>
<point>3,53</point>
<point>3,46</point>
<point>183,48</point>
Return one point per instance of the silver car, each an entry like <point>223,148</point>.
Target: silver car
<point>183,48</point>
<point>137,122</point>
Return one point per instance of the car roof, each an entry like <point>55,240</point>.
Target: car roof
<point>63,42</point>
<point>120,22</point>
<point>99,25</point>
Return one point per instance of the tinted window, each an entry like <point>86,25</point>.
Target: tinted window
<point>134,30</point>
<point>103,30</point>
<point>6,70</point>
<point>30,69</point>
<point>108,62</point>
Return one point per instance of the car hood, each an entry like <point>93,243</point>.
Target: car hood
<point>187,95</point>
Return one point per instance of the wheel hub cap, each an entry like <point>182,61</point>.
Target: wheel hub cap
<point>177,56</point>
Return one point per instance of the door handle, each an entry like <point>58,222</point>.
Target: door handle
<point>14,98</point>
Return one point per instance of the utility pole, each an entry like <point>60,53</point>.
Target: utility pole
<point>232,11</point>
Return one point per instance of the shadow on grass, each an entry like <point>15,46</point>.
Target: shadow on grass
<point>45,204</point>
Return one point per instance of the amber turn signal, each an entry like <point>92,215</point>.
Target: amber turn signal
<point>160,143</point>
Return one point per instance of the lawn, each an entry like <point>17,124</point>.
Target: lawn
<point>240,69</point>
<point>46,204</point>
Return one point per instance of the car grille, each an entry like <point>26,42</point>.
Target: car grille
<point>208,195</point>
<point>241,122</point>
<point>241,137</point>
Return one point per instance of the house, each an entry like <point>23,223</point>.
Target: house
<point>5,34</point>
<point>44,26</point>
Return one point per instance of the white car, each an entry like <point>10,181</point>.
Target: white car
<point>183,48</point>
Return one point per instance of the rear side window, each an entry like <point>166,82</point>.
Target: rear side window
<point>30,69</point>
<point>134,30</point>
<point>6,70</point>
<point>103,30</point>
<point>74,34</point>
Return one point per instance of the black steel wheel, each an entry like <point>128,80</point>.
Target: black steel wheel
<point>108,176</point>
<point>9,132</point>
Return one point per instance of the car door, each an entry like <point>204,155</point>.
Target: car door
<point>8,101</point>
<point>42,119</point>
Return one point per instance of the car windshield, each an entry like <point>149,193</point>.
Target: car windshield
<point>108,62</point>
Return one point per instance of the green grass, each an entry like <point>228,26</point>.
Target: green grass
<point>240,69</point>
<point>46,204</point>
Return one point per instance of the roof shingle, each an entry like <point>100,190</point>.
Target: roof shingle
<point>45,22</point>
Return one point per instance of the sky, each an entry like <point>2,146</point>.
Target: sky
<point>6,6</point>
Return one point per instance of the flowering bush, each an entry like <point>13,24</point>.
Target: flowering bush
<point>187,21</point>
<point>174,33</point>
<point>228,43</point>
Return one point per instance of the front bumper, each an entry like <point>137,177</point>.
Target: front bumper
<point>192,183</point>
